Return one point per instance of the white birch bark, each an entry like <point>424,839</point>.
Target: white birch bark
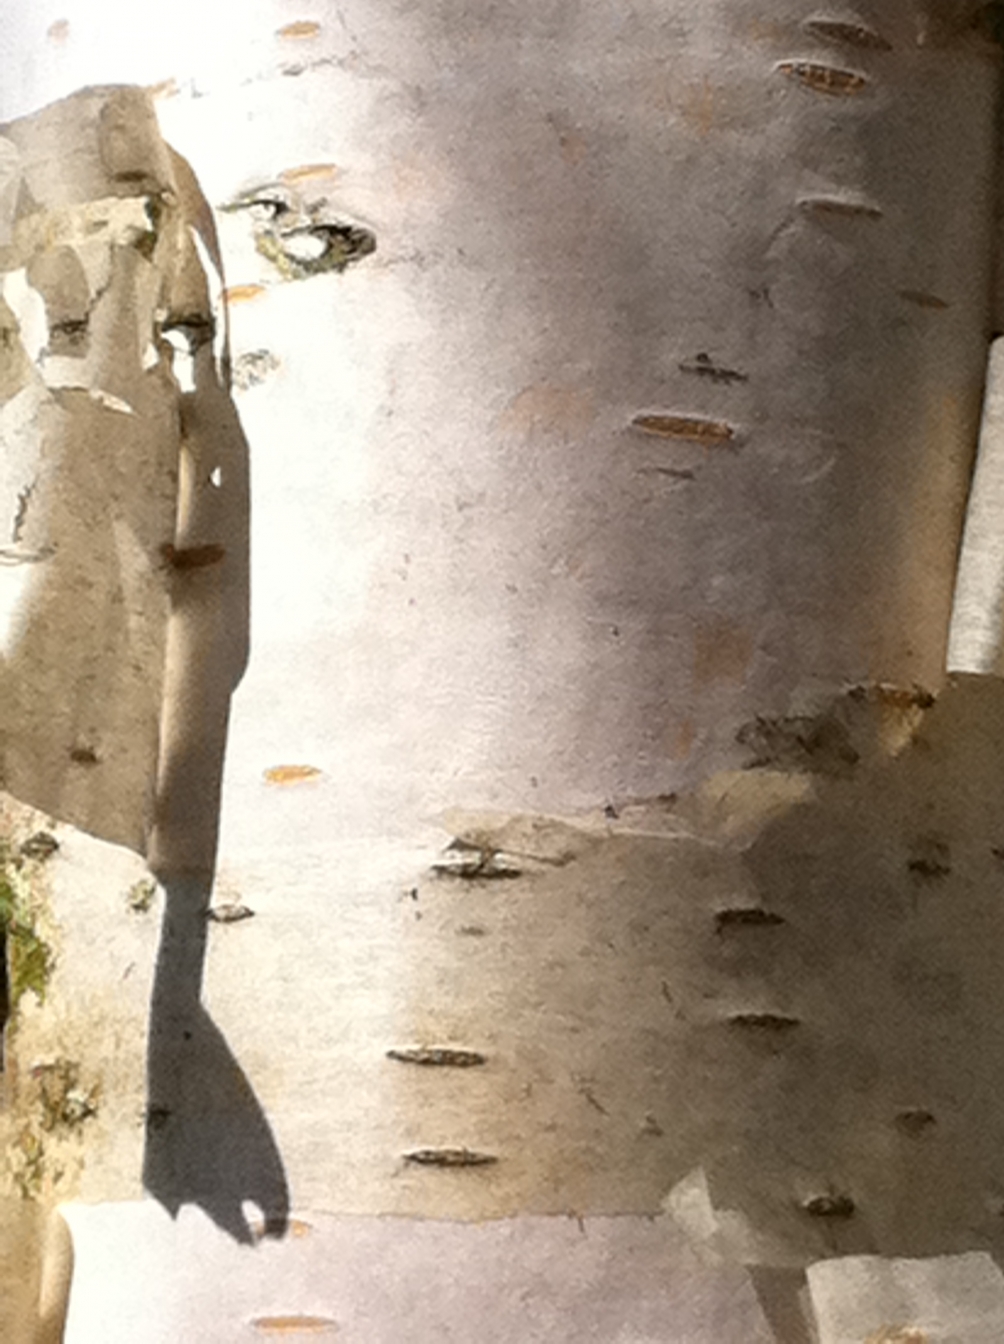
<point>606,525</point>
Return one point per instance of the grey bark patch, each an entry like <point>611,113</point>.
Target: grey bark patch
<point>252,368</point>
<point>819,744</point>
<point>933,991</point>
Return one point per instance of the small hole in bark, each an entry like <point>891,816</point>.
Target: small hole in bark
<point>84,755</point>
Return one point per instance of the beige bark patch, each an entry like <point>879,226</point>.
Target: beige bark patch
<point>722,653</point>
<point>166,88</point>
<point>290,774</point>
<point>897,1334</point>
<point>698,106</point>
<point>736,804</point>
<point>681,738</point>
<point>547,408</point>
<point>242,293</point>
<point>694,428</point>
<point>309,172</point>
<point>294,1325</point>
<point>301,28</point>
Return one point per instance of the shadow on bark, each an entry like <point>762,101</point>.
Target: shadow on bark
<point>208,1141</point>
<point>890,882</point>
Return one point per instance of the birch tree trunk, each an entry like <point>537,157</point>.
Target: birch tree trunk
<point>615,843</point>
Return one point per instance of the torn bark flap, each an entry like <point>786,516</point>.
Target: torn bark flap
<point>96,247</point>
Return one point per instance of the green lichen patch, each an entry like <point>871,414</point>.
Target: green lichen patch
<point>140,895</point>
<point>54,1104</point>
<point>26,1160</point>
<point>30,959</point>
<point>62,1103</point>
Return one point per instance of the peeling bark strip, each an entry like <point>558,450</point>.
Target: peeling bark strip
<point>99,265</point>
<point>449,1157</point>
<point>692,428</point>
<point>823,78</point>
<point>438,1057</point>
<point>850,34</point>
